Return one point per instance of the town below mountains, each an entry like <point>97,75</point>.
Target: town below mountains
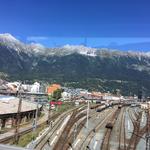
<point>98,69</point>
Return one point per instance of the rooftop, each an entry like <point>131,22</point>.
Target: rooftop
<point>11,106</point>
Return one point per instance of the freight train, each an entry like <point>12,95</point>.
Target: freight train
<point>111,123</point>
<point>96,106</point>
<point>103,107</point>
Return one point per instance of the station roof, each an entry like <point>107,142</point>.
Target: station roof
<point>11,106</point>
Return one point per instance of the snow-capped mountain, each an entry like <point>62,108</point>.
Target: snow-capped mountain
<point>80,49</point>
<point>6,37</point>
<point>11,42</point>
<point>36,48</point>
<point>97,67</point>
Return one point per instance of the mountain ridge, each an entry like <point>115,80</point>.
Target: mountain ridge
<point>77,66</point>
<point>37,48</point>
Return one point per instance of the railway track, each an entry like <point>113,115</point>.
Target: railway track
<point>117,136</point>
<point>64,139</point>
<point>132,118</point>
<point>122,136</point>
<point>9,138</point>
<point>80,126</point>
<point>139,132</point>
<point>136,113</point>
<point>103,123</point>
<point>41,143</point>
<point>91,134</point>
<point>67,137</point>
<point>134,139</point>
<point>106,139</point>
<point>52,132</point>
<point>72,138</point>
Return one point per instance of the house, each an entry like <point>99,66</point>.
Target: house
<point>66,95</point>
<point>35,87</point>
<point>52,88</point>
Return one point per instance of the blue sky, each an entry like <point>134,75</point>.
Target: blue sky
<point>58,22</point>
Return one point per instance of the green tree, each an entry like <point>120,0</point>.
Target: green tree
<point>57,94</point>
<point>50,98</point>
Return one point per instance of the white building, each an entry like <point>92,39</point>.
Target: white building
<point>109,97</point>
<point>35,87</point>
<point>66,95</point>
<point>145,105</point>
<point>14,86</point>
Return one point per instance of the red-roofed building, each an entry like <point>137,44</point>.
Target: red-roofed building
<point>52,88</point>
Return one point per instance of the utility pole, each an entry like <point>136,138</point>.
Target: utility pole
<point>49,110</point>
<point>49,113</point>
<point>147,129</point>
<point>34,126</point>
<point>75,132</point>
<point>87,125</point>
<point>18,115</point>
<point>36,114</point>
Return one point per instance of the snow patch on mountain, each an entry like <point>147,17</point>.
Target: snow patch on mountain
<point>81,49</point>
<point>11,42</point>
<point>104,52</point>
<point>6,37</point>
<point>37,48</point>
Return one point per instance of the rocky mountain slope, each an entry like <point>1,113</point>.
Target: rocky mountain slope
<point>78,66</point>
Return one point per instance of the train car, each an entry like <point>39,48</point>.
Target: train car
<point>98,110</point>
<point>101,108</point>
<point>109,125</point>
<point>98,102</point>
<point>94,106</point>
<point>119,106</point>
<point>133,105</point>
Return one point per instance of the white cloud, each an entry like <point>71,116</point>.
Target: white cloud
<point>37,38</point>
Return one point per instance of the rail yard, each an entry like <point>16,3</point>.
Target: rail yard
<point>115,127</point>
<point>105,126</point>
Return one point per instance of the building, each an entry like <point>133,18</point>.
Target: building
<point>33,88</point>
<point>13,86</point>
<point>9,109</point>
<point>145,105</point>
<point>52,88</point>
<point>66,95</point>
